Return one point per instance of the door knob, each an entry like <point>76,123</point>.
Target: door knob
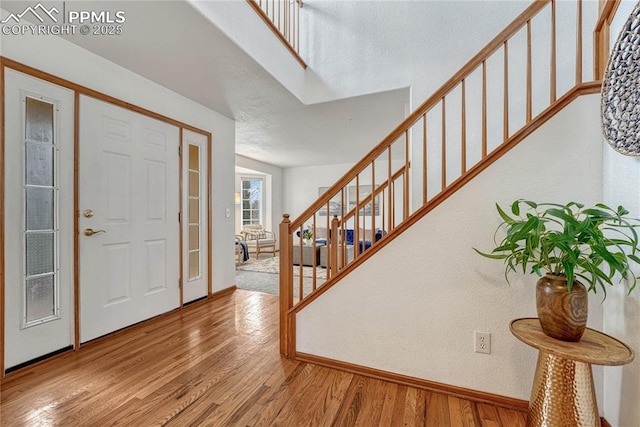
<point>91,232</point>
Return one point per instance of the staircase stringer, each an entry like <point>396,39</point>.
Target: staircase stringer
<point>514,140</point>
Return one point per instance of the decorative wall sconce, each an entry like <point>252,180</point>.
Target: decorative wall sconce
<point>620,106</point>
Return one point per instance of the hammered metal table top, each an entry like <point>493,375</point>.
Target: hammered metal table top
<point>594,347</point>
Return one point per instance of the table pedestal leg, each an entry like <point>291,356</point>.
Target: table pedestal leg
<point>562,394</point>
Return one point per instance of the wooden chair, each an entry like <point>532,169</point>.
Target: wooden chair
<point>259,240</point>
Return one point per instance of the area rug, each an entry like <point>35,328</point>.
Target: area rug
<point>272,265</point>
<point>270,283</point>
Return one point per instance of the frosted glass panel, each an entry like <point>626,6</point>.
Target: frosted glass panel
<point>194,157</point>
<point>40,253</point>
<point>40,298</point>
<point>39,208</point>
<point>39,121</point>
<point>39,200</point>
<point>194,237</point>
<point>194,211</point>
<point>194,184</point>
<point>194,264</point>
<point>39,164</point>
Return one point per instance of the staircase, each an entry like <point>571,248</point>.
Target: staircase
<point>494,102</point>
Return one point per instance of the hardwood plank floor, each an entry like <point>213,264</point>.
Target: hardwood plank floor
<point>217,364</point>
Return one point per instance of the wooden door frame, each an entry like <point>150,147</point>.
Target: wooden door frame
<point>78,91</point>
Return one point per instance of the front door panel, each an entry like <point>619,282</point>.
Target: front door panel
<point>129,230</point>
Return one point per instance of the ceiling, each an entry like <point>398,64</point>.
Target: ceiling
<point>173,44</point>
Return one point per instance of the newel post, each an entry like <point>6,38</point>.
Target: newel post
<point>335,245</point>
<point>286,287</point>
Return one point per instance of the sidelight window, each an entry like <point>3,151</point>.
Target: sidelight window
<point>40,230</point>
<point>194,212</point>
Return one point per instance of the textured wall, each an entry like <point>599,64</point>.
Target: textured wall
<point>621,311</point>
<point>301,185</point>
<point>413,309</point>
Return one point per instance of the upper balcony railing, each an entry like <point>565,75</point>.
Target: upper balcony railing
<point>522,78</point>
<point>283,17</point>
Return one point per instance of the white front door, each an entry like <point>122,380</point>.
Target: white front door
<point>38,215</point>
<point>128,218</point>
<point>195,234</point>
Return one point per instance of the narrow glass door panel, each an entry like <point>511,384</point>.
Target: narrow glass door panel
<point>195,224</point>
<point>40,233</point>
<point>194,211</point>
<point>38,178</point>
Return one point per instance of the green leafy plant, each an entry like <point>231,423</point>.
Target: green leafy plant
<point>307,234</point>
<point>592,244</point>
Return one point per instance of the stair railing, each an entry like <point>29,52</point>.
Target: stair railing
<point>461,129</point>
<point>283,18</point>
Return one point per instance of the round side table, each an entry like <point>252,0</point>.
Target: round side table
<point>562,393</point>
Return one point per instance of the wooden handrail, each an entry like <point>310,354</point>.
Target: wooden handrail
<point>283,18</point>
<point>390,198</point>
<point>450,84</point>
<point>542,118</point>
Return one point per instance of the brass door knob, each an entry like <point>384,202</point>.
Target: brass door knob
<point>91,232</point>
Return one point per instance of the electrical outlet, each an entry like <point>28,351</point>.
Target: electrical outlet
<point>483,342</point>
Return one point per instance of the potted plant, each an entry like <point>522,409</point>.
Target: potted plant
<point>564,243</point>
<point>307,236</point>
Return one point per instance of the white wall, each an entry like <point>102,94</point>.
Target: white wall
<point>301,185</point>
<point>235,18</point>
<point>622,311</point>
<point>274,187</point>
<point>350,52</point>
<point>355,46</point>
<point>63,59</point>
<point>418,317</point>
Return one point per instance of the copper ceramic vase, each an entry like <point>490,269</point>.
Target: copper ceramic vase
<point>562,314</point>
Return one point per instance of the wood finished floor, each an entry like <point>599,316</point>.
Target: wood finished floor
<point>217,364</point>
